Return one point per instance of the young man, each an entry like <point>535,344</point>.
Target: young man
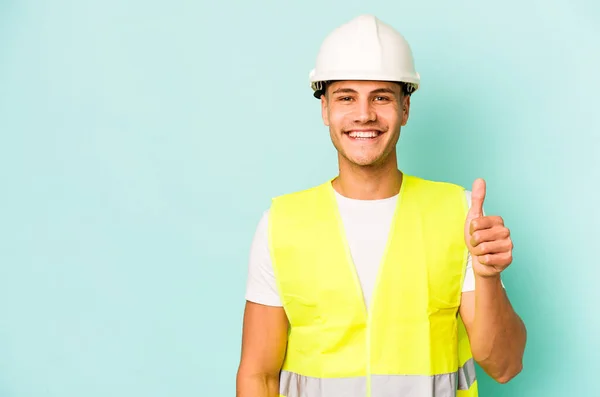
<point>376,283</point>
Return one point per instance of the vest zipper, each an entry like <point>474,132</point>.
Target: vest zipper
<point>368,353</point>
<point>365,308</point>
<point>351,264</point>
<point>352,267</point>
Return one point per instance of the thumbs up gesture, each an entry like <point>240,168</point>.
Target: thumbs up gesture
<point>487,239</point>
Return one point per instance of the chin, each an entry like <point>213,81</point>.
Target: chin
<point>364,162</point>
<point>360,158</point>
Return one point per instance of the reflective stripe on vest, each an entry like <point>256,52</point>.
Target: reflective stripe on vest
<point>445,385</point>
<point>467,375</point>
<point>412,336</point>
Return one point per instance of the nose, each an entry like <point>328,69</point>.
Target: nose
<point>365,112</point>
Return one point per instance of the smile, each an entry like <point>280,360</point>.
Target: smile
<point>365,135</point>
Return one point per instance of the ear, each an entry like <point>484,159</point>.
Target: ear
<point>324,110</point>
<point>405,109</point>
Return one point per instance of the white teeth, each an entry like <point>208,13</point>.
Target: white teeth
<point>363,134</point>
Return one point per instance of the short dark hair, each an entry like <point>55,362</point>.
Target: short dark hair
<point>405,88</point>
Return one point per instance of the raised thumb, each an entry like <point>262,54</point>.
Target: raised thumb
<point>477,198</point>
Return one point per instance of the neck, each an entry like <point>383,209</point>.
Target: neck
<point>368,183</point>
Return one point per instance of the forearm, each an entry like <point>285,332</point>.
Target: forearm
<point>498,336</point>
<point>257,385</point>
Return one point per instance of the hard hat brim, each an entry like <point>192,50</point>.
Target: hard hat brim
<point>317,83</point>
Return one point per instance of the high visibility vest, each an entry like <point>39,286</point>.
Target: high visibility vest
<point>411,341</point>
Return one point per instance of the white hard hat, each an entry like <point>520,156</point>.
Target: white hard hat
<point>364,48</point>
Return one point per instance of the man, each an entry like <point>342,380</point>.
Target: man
<point>376,283</point>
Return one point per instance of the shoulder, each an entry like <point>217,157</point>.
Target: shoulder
<point>296,204</point>
<point>436,193</point>
<point>301,195</point>
<point>445,186</point>
<point>434,185</point>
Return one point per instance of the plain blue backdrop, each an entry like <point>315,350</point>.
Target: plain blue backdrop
<point>141,141</point>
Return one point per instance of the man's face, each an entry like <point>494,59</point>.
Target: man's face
<point>364,119</point>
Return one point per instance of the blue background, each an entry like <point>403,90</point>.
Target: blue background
<point>141,141</point>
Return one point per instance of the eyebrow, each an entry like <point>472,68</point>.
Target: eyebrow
<point>352,91</point>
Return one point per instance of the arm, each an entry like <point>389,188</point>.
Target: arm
<point>496,333</point>
<point>264,339</point>
<point>265,327</point>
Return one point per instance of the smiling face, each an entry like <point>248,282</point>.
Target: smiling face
<point>364,120</point>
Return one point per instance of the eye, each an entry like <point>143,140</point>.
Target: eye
<point>344,98</point>
<point>381,98</point>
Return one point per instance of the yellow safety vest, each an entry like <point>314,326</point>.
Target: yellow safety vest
<point>411,342</point>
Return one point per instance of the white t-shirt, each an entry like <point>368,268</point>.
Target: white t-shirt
<point>366,223</point>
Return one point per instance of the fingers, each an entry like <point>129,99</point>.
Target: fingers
<point>493,247</point>
<point>501,260</point>
<point>485,222</point>
<point>492,234</point>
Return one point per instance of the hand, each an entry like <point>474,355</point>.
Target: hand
<point>487,239</point>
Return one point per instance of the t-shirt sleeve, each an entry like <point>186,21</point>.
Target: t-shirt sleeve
<point>261,286</point>
<point>469,281</point>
